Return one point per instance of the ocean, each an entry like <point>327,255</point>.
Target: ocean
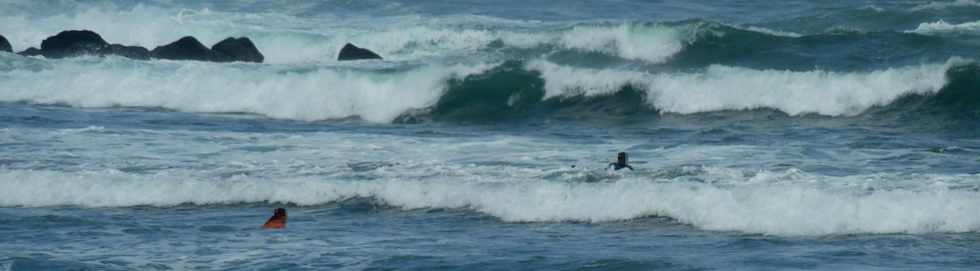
<point>765,135</point>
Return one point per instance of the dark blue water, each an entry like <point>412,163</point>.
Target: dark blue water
<point>765,136</point>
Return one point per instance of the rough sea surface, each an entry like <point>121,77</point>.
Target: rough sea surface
<point>766,135</point>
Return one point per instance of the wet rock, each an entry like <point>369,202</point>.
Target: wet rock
<point>72,43</point>
<point>133,52</point>
<point>33,51</point>
<point>351,52</point>
<point>238,49</point>
<point>186,48</point>
<point>5,45</point>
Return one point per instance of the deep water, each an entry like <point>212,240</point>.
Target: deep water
<point>766,135</point>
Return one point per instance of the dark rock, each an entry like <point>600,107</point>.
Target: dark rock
<point>238,49</point>
<point>5,45</point>
<point>72,43</point>
<point>30,52</point>
<point>351,52</point>
<point>186,48</point>
<point>134,52</point>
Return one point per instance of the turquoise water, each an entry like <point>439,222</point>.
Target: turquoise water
<point>766,136</point>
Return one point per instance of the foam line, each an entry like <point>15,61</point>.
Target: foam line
<point>768,203</point>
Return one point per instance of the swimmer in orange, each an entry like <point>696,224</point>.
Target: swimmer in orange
<point>277,221</point>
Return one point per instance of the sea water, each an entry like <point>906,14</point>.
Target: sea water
<point>766,135</point>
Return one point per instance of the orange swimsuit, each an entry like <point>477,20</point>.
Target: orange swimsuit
<point>275,223</point>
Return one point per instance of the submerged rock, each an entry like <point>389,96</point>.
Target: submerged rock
<point>351,52</point>
<point>186,48</point>
<point>238,49</point>
<point>33,51</point>
<point>72,43</point>
<point>5,45</point>
<point>134,52</point>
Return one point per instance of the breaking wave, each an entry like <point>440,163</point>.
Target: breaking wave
<point>941,27</point>
<point>467,92</point>
<point>781,203</point>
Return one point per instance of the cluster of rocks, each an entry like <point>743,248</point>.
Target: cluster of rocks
<point>74,43</point>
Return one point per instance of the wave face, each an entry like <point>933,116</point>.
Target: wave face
<point>780,203</point>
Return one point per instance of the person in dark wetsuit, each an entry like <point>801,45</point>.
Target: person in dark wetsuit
<point>621,162</point>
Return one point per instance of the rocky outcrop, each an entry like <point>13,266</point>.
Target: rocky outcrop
<point>33,51</point>
<point>72,43</point>
<point>133,52</point>
<point>238,49</point>
<point>5,45</point>
<point>351,52</point>
<point>186,48</point>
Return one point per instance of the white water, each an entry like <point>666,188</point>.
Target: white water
<point>787,203</point>
<point>324,93</point>
<point>942,27</point>
<point>734,88</point>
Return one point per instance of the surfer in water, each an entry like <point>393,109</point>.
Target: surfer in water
<point>622,161</point>
<point>277,221</point>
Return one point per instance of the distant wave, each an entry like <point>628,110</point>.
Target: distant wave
<point>772,32</point>
<point>286,39</point>
<point>289,39</point>
<point>940,27</point>
<point>781,203</point>
<point>934,5</point>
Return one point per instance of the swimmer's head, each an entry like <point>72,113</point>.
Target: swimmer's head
<point>622,159</point>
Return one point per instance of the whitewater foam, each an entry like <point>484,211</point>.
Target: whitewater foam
<point>651,43</point>
<point>771,204</point>
<point>734,88</point>
<point>942,27</point>
<point>323,93</point>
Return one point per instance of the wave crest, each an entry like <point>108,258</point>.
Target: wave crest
<point>942,27</point>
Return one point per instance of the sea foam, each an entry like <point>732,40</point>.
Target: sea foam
<point>316,94</point>
<point>722,87</point>
<point>769,203</point>
<point>941,27</point>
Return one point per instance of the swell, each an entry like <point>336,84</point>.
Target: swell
<point>842,50</point>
